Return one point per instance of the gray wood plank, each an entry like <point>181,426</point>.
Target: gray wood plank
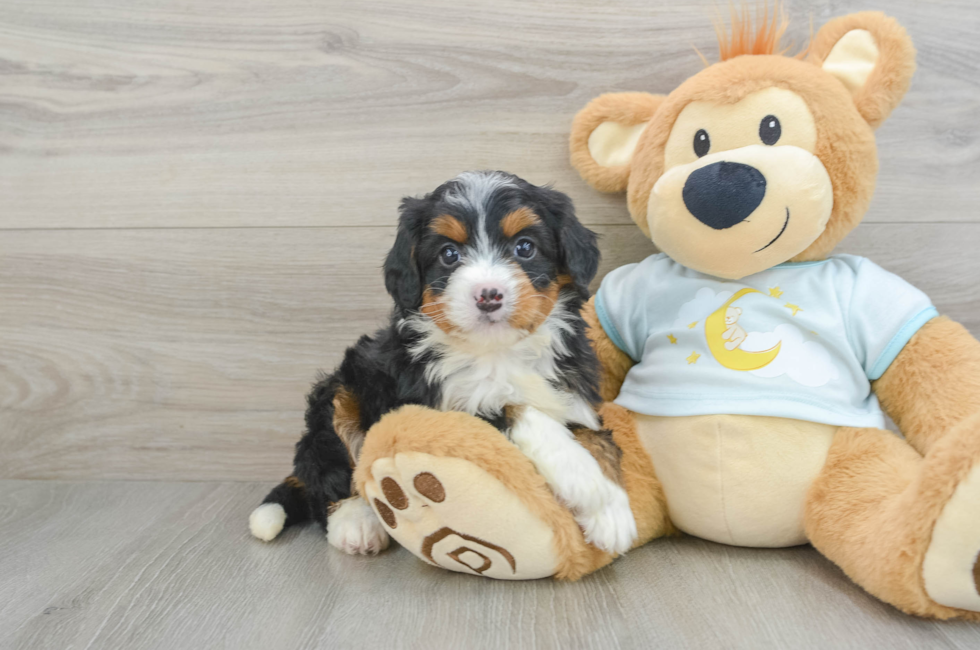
<point>141,565</point>
<point>145,113</point>
<point>186,354</point>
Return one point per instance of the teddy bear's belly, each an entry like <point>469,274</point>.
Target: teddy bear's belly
<point>736,479</point>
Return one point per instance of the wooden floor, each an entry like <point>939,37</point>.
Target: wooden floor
<point>169,565</point>
<point>195,198</point>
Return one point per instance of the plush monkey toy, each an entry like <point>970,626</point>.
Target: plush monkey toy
<point>746,368</point>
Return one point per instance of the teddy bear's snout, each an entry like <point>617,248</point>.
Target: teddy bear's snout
<point>723,194</point>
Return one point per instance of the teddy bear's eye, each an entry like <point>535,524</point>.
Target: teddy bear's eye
<point>770,130</point>
<point>702,143</point>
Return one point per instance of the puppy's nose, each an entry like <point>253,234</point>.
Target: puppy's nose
<point>488,299</point>
<point>723,194</point>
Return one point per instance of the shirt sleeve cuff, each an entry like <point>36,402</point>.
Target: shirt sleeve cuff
<point>898,341</point>
<point>607,324</point>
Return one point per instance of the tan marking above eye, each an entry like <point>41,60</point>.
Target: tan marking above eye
<point>451,227</point>
<point>732,126</point>
<point>517,221</point>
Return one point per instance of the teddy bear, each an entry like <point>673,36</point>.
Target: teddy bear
<point>754,424</point>
<point>735,334</point>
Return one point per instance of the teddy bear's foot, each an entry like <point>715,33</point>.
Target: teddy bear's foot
<point>903,526</point>
<point>453,514</point>
<point>353,528</point>
<point>455,492</point>
<point>951,568</point>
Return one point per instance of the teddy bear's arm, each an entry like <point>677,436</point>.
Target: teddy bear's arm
<point>934,382</point>
<point>613,362</point>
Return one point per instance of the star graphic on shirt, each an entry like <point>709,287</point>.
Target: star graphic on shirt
<point>693,358</point>
<point>672,339</point>
<point>691,326</point>
<point>793,308</point>
<point>775,292</point>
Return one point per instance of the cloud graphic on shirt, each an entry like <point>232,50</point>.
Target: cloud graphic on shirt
<point>705,302</point>
<point>805,362</point>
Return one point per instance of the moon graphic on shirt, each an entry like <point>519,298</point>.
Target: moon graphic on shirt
<point>737,359</point>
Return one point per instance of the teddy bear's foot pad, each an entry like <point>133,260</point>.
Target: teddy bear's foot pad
<point>453,514</point>
<point>951,568</point>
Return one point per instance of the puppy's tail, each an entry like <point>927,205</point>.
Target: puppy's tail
<point>284,506</point>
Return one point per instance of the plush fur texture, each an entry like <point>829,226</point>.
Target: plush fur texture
<point>934,383</point>
<point>892,75</point>
<point>873,507</point>
<point>623,108</point>
<point>614,362</point>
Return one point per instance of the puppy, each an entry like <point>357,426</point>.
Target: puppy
<point>488,274</point>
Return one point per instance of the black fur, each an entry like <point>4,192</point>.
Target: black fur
<point>380,372</point>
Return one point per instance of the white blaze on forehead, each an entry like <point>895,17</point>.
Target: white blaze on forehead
<point>474,191</point>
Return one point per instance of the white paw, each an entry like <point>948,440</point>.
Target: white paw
<point>601,507</point>
<point>612,527</point>
<point>354,529</point>
<point>267,521</point>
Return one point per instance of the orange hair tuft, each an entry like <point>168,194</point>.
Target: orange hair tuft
<point>760,36</point>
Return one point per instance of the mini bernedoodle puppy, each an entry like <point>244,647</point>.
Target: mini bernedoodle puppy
<point>488,274</point>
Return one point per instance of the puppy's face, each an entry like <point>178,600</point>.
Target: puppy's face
<point>487,255</point>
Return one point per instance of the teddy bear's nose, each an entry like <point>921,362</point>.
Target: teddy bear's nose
<point>723,194</point>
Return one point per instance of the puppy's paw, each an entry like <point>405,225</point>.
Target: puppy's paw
<point>354,529</point>
<point>611,527</point>
<point>266,521</point>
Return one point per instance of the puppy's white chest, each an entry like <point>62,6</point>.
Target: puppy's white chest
<point>484,385</point>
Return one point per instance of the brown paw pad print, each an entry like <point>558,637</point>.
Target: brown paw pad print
<point>430,487</point>
<point>425,484</point>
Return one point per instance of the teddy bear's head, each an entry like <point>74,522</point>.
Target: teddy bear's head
<point>758,159</point>
<point>732,315</point>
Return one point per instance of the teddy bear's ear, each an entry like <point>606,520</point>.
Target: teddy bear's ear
<point>605,134</point>
<point>872,55</point>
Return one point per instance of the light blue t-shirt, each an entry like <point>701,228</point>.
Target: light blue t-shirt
<point>800,340</point>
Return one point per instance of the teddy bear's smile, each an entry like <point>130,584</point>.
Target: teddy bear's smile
<point>781,231</point>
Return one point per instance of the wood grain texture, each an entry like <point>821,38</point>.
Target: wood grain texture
<point>151,113</point>
<point>186,354</point>
<point>195,199</point>
<point>139,566</point>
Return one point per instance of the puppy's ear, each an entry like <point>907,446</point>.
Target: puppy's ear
<point>872,55</point>
<point>605,134</point>
<point>578,252</point>
<point>403,279</point>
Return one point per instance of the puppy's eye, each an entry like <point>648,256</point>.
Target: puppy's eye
<point>702,143</point>
<point>449,255</point>
<point>525,249</point>
<point>770,130</point>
